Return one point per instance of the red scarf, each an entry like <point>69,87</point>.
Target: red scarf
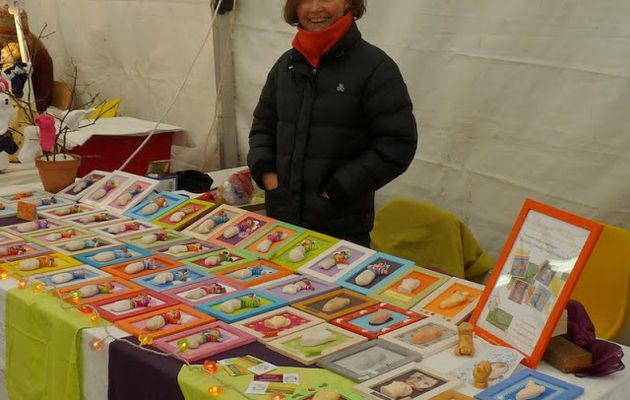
<point>313,45</point>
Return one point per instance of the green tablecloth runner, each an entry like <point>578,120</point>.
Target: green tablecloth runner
<point>194,382</point>
<point>43,346</point>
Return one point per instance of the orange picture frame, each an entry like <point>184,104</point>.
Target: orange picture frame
<point>122,287</point>
<point>135,325</point>
<point>536,275</point>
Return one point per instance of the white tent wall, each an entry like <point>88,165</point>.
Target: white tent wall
<point>514,99</point>
<point>139,51</point>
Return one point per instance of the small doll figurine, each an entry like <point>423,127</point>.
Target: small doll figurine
<point>154,237</point>
<point>33,226</point>
<point>173,317</point>
<point>145,265</point>
<point>249,301</point>
<point>181,214</point>
<point>302,284</point>
<point>65,277</point>
<point>132,192</point>
<point>248,272</point>
<point>167,277</point>
<point>153,206</point>
<point>242,229</point>
<point>140,301</point>
<point>272,238</point>
<point>12,250</point>
<point>82,244</point>
<point>481,372</point>
<point>202,291</point>
<point>22,195</point>
<point>298,253</point>
<point>185,248</point>
<point>211,335</point>
<point>36,263</point>
<point>337,258</point>
<point>47,201</point>
<point>83,184</point>
<point>67,234</point>
<point>127,227</point>
<point>73,209</point>
<point>110,185</point>
<point>371,272</point>
<point>218,259</point>
<point>100,217</point>
<point>465,346</point>
<point>106,256</point>
<point>92,290</point>
<point>213,221</point>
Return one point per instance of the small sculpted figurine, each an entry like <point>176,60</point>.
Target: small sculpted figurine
<point>153,206</point>
<point>465,346</point>
<point>481,372</point>
<point>213,221</point>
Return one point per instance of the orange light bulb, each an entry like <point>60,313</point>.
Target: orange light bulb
<point>94,318</point>
<point>21,283</point>
<point>96,344</point>
<point>214,391</point>
<point>277,397</point>
<point>85,309</point>
<point>210,366</point>
<point>3,274</point>
<point>39,287</point>
<point>145,339</point>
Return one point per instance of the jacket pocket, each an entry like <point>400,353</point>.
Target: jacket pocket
<point>278,203</point>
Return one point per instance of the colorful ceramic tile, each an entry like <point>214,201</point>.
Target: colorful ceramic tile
<point>102,191</point>
<point>140,267</point>
<point>426,337</point>
<point>158,238</point>
<point>377,320</point>
<point>304,249</point>
<point>20,250</point>
<point>253,273</point>
<point>41,264</point>
<point>56,236</point>
<point>277,323</point>
<point>114,255</point>
<point>296,288</point>
<point>368,360</point>
<point>547,386</point>
<point>71,276</point>
<point>132,304</point>
<point>333,339</point>
<point>184,214</point>
<point>66,211</point>
<point>186,249</point>
<point>84,245</point>
<point>172,278</point>
<point>453,301</point>
<point>205,291</point>
<point>78,189</point>
<point>38,226</point>
<point>423,382</point>
<point>241,305</point>
<point>242,230</point>
<point>218,218</point>
<point>21,196</point>
<point>336,261</point>
<point>272,240</point>
<point>155,206</point>
<point>409,288</point>
<point>96,218</point>
<point>125,229</point>
<point>334,304</point>
<point>89,292</point>
<point>374,273</point>
<point>218,260</point>
<point>187,318</point>
<point>130,193</point>
<point>205,341</point>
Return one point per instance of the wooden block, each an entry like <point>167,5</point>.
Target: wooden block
<point>566,356</point>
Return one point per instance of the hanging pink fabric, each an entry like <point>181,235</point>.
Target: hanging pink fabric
<point>47,131</point>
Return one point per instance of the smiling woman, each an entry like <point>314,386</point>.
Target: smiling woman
<point>334,123</point>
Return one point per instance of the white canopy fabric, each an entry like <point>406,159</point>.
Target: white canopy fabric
<point>514,99</point>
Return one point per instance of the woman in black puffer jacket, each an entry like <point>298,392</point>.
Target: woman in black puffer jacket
<point>334,123</point>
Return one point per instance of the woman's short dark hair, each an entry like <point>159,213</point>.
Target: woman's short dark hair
<point>290,14</point>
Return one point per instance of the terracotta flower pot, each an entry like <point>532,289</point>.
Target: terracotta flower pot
<point>57,174</point>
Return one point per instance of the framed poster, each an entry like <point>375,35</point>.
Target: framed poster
<point>533,279</point>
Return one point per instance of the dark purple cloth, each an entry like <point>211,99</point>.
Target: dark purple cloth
<point>137,374</point>
<point>581,331</point>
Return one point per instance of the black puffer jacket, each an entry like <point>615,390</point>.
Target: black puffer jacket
<point>345,128</point>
